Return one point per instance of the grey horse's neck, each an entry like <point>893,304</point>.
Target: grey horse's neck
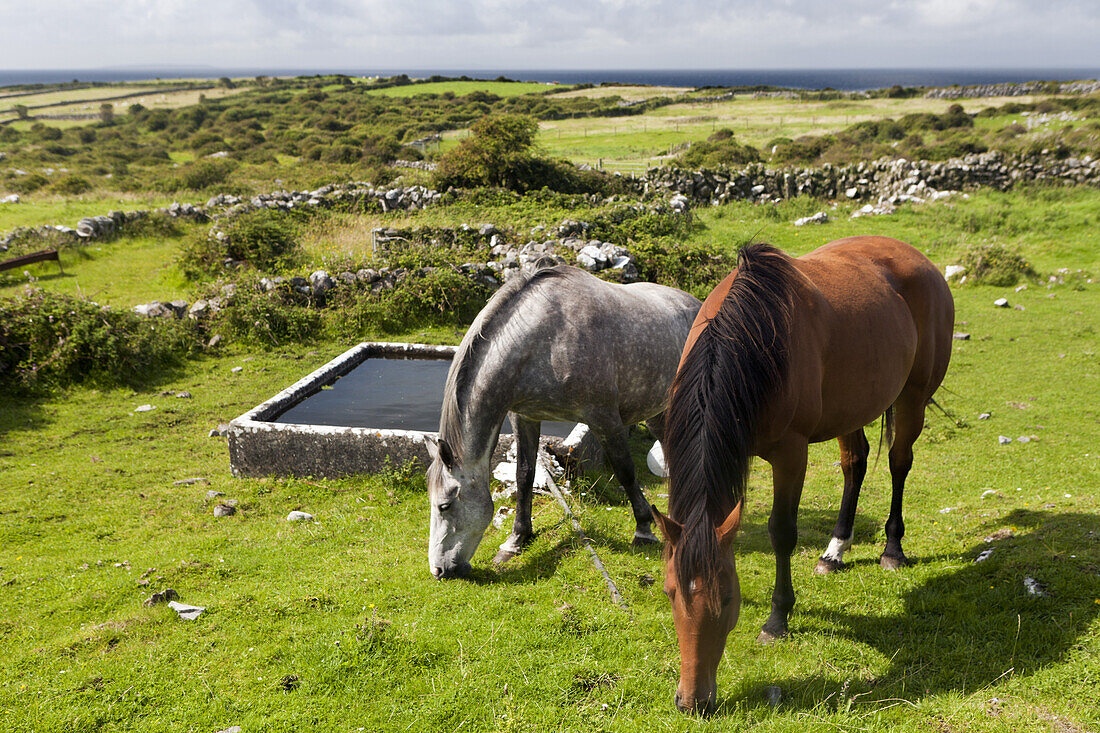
<point>474,410</point>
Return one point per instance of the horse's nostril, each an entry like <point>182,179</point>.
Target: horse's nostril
<point>437,572</point>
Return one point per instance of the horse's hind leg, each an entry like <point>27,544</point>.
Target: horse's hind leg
<point>656,425</point>
<point>908,423</point>
<point>527,452</point>
<point>853,463</point>
<point>613,436</point>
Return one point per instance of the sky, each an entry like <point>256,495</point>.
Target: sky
<point>549,34</point>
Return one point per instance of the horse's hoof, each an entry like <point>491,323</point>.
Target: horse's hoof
<point>826,566</point>
<point>644,540</point>
<point>894,562</point>
<point>503,556</point>
<point>766,637</point>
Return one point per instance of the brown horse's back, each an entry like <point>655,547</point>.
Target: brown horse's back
<point>878,322</point>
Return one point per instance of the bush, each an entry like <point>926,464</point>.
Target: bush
<point>993,264</point>
<point>262,318</point>
<point>200,175</point>
<point>265,238</point>
<point>71,185</point>
<point>497,153</point>
<point>28,183</point>
<point>47,339</point>
<point>696,268</point>
<point>721,149</point>
<point>428,296</point>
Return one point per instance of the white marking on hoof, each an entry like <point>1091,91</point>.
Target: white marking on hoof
<point>646,536</point>
<point>836,549</point>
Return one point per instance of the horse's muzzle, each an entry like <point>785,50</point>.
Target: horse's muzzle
<point>461,570</point>
<point>697,706</point>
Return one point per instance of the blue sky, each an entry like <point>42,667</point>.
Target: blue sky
<point>550,34</point>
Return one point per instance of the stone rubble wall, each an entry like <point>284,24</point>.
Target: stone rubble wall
<point>1013,90</point>
<point>884,179</point>
<point>112,224</point>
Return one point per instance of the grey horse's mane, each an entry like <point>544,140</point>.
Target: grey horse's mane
<point>489,325</point>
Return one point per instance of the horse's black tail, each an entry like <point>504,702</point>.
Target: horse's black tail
<point>885,434</point>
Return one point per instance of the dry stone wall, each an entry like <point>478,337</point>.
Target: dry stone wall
<point>883,180</point>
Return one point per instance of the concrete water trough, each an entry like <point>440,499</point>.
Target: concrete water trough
<point>370,407</point>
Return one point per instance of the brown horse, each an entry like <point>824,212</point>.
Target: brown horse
<point>787,352</point>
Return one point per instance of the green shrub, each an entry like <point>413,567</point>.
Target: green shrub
<point>265,238</point>
<point>428,296</point>
<point>694,267</point>
<point>497,153</point>
<point>264,318</point>
<point>71,185</point>
<point>993,264</point>
<point>47,339</point>
<point>721,149</point>
<point>28,183</point>
<point>200,175</point>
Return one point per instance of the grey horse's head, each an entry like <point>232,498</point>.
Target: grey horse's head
<point>461,509</point>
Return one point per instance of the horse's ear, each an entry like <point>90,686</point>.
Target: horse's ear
<point>670,528</point>
<point>729,527</point>
<point>446,454</point>
<point>433,447</point>
<point>438,450</point>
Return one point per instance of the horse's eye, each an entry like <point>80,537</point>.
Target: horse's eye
<point>444,506</point>
<point>726,600</point>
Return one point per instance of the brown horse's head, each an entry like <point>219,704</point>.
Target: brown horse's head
<point>706,600</point>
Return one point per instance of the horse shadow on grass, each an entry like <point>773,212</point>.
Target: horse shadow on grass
<point>963,630</point>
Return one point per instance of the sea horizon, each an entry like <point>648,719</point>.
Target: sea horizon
<point>842,79</point>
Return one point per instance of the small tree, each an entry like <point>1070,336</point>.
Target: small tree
<point>497,153</point>
<point>106,113</point>
<point>21,111</point>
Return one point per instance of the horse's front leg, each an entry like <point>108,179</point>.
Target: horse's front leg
<point>527,452</point>
<point>788,474</point>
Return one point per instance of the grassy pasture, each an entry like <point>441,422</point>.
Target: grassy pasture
<point>461,88</point>
<point>54,209</point>
<point>338,624</point>
<point>155,98</point>
<point>628,143</point>
<point>628,93</point>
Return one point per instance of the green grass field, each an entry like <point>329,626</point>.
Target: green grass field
<point>339,624</point>
<point>630,143</point>
<point>461,88</point>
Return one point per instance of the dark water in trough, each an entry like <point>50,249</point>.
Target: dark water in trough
<point>392,394</point>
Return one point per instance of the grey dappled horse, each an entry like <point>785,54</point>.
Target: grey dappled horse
<point>556,344</point>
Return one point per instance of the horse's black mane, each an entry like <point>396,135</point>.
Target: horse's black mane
<point>736,364</point>
<point>488,324</point>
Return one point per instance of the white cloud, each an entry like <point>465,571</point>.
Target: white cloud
<point>523,34</point>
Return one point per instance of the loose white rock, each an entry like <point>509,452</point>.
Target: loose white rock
<point>1035,588</point>
<point>983,555</point>
<point>187,613</point>
<point>1004,439</point>
<point>655,460</point>
<point>1001,302</point>
<point>297,516</point>
<point>953,271</point>
<point>989,492</point>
